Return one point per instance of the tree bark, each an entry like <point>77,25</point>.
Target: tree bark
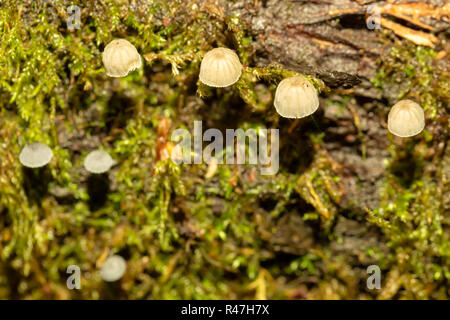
<point>324,38</point>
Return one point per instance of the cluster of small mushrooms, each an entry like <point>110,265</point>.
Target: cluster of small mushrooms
<point>37,155</point>
<point>295,97</point>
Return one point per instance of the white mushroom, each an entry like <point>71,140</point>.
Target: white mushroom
<point>220,68</point>
<point>113,268</point>
<point>98,161</point>
<point>35,155</point>
<point>120,57</point>
<point>296,97</point>
<point>406,119</point>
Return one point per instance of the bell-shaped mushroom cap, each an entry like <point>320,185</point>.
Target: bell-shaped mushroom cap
<point>220,68</point>
<point>296,97</point>
<point>406,119</point>
<point>113,268</point>
<point>98,161</point>
<point>120,57</point>
<point>35,155</point>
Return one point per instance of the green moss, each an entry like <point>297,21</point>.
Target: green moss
<point>184,236</point>
<point>411,72</point>
<point>412,213</point>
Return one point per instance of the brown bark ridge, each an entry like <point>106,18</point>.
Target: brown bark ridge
<point>326,39</point>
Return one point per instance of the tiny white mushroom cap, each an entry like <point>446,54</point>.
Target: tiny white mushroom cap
<point>35,155</point>
<point>220,68</point>
<point>406,119</point>
<point>113,268</point>
<point>120,57</point>
<point>296,97</point>
<point>98,161</point>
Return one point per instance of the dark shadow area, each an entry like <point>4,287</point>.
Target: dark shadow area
<point>5,218</point>
<point>98,186</point>
<point>36,182</point>
<point>362,100</point>
<point>268,203</point>
<point>406,167</point>
<point>120,110</point>
<point>65,199</point>
<point>13,278</point>
<point>225,110</point>
<point>63,195</point>
<point>353,21</point>
<point>297,151</point>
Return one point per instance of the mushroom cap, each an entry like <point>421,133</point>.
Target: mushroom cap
<point>35,155</point>
<point>220,68</point>
<point>406,119</point>
<point>120,57</point>
<point>113,268</point>
<point>296,97</point>
<point>98,161</point>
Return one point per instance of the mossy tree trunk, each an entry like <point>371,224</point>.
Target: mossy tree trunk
<point>347,194</point>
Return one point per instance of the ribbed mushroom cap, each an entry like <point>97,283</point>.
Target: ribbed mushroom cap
<point>120,57</point>
<point>113,268</point>
<point>220,68</point>
<point>35,155</point>
<point>296,97</point>
<point>406,119</point>
<point>98,161</point>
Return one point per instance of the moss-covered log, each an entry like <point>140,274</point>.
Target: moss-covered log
<point>347,195</point>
